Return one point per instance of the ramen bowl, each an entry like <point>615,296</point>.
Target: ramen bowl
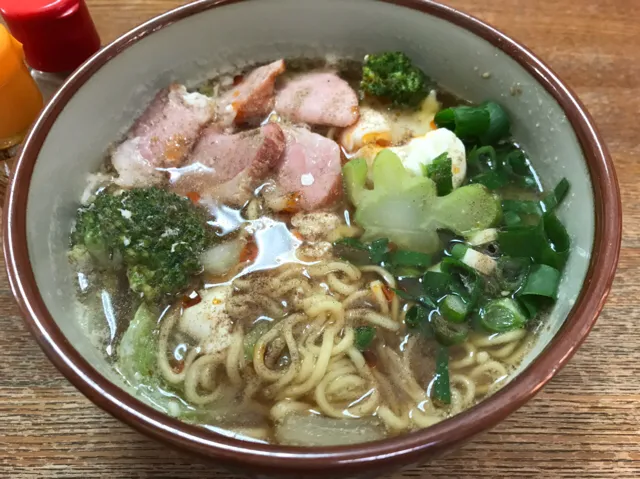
<point>464,55</point>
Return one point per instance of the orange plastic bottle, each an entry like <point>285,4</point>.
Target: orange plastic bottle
<point>20,99</point>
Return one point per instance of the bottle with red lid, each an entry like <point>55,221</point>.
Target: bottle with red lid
<point>57,37</point>
<point>20,100</point>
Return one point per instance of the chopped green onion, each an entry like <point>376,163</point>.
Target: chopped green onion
<point>351,243</point>
<point>532,304</point>
<point>421,300</point>
<point>523,241</point>
<point>516,165</point>
<point>364,336</point>
<point>475,322</point>
<point>557,252</point>
<point>459,250</point>
<point>547,242</point>
<point>436,285</point>
<point>377,250</point>
<point>499,125</point>
<point>512,272</point>
<point>407,272</point>
<point>483,159</point>
<point>453,308</point>
<point>502,315</point>
<point>449,333</point>
<point>543,280</point>
<point>417,319</point>
<point>439,170</point>
<point>407,264</point>
<point>416,316</point>
<point>411,290</point>
<point>540,288</point>
<point>495,168</point>
<point>492,180</point>
<point>467,122</point>
<point>409,258</point>
<point>466,281</point>
<point>352,250</point>
<point>487,122</point>
<point>356,252</point>
<point>522,207</point>
<point>511,218</point>
<point>403,294</point>
<point>553,199</point>
<point>441,385</point>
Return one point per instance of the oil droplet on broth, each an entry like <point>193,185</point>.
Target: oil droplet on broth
<point>276,244</point>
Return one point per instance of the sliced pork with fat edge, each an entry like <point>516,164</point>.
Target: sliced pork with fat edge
<point>161,137</point>
<point>253,97</point>
<point>318,98</point>
<point>310,169</point>
<point>228,167</point>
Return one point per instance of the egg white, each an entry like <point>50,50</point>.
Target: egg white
<point>384,127</point>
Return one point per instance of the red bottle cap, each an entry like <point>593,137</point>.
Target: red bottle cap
<point>57,35</point>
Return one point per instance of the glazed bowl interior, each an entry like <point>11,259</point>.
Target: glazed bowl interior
<point>214,40</point>
<point>106,105</point>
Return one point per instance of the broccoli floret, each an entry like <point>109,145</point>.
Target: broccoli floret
<point>155,235</point>
<point>393,76</point>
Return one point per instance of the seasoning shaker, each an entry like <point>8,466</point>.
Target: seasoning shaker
<point>20,99</point>
<point>57,37</point>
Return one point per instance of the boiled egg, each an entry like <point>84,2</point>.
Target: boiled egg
<point>373,127</point>
<point>384,127</point>
<point>421,151</point>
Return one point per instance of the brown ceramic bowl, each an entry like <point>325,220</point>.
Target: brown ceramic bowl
<point>101,99</point>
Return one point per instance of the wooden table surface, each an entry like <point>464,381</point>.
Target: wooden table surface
<point>585,424</point>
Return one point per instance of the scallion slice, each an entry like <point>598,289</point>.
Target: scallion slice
<point>553,199</point>
<point>540,288</point>
<point>467,122</point>
<point>483,159</point>
<point>502,315</point>
<point>557,252</point>
<point>543,280</point>
<point>466,281</point>
<point>453,308</point>
<point>364,336</point>
<point>378,249</point>
<point>415,259</point>
<point>459,250</point>
<point>511,218</point>
<point>499,125</point>
<point>546,242</point>
<point>516,166</point>
<point>486,123</point>
<point>441,383</point>
<point>512,272</point>
<point>417,319</point>
<point>522,207</point>
<point>492,180</point>
<point>448,333</point>
<point>436,285</point>
<point>352,250</point>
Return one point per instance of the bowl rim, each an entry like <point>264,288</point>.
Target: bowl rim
<point>387,452</point>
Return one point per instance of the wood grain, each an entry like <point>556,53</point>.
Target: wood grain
<point>585,424</point>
